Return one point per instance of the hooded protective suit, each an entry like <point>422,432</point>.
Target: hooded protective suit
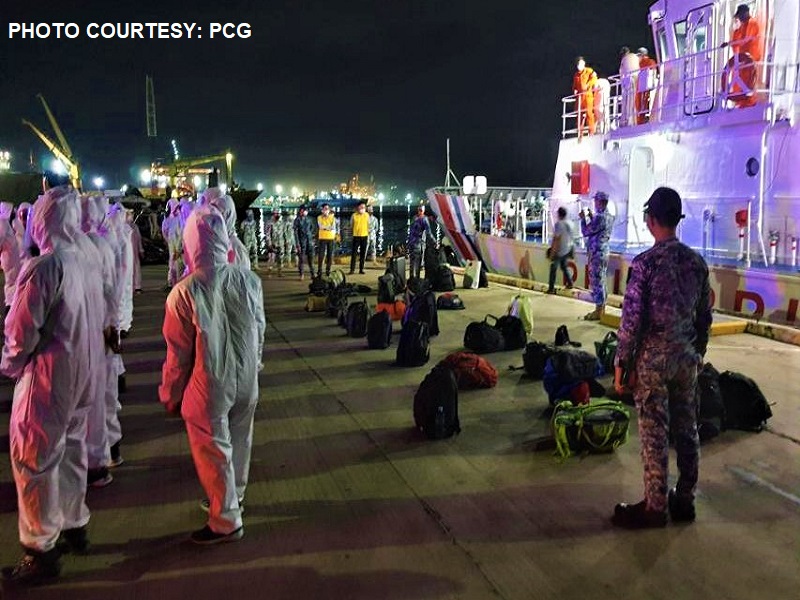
<point>116,218</point>
<point>49,349</point>
<point>237,253</point>
<point>103,413</point>
<point>19,228</point>
<point>171,229</point>
<point>9,253</point>
<point>214,329</point>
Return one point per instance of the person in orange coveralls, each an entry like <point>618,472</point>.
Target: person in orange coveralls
<point>747,44</point>
<point>648,73</point>
<point>583,83</point>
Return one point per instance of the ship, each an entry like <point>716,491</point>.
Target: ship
<point>720,127</point>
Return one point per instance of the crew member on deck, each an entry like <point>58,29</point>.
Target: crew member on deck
<point>648,73</point>
<point>747,44</point>
<point>583,84</point>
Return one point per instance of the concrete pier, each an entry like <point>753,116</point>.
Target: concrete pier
<point>347,501</point>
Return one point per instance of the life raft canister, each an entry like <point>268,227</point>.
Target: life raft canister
<point>739,77</point>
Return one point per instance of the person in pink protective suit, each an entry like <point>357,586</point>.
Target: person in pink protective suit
<point>214,328</point>
<point>138,251</point>
<point>50,341</point>
<point>19,228</point>
<point>9,254</point>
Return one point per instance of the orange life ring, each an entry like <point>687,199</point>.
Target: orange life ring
<point>739,77</point>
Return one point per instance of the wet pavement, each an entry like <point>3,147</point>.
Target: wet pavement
<point>346,500</point>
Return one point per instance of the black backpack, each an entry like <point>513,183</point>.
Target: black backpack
<point>413,350</point>
<point>710,407</point>
<point>418,286</point>
<point>387,289</point>
<point>562,337</point>
<point>575,365</point>
<point>356,319</point>
<point>514,335</point>
<point>746,408</point>
<point>482,338</point>
<point>397,267</point>
<point>319,286</point>
<point>423,309</point>
<point>379,330</point>
<point>436,404</point>
<point>443,280</point>
<point>535,357</point>
<point>449,302</point>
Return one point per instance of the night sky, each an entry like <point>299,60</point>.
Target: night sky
<point>322,88</point>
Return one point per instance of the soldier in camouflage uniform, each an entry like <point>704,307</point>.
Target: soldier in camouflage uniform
<point>666,319</point>
<point>419,234</point>
<point>304,241</point>
<point>287,239</point>
<point>250,237</point>
<point>273,233</point>
<point>597,231</point>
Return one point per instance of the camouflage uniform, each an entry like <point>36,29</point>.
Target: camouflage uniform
<point>663,335</point>
<point>597,233</point>
<point>372,241</point>
<point>250,240</point>
<point>418,235</point>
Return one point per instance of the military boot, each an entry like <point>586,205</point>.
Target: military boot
<point>34,567</point>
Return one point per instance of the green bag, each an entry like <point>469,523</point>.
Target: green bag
<point>606,351</point>
<point>599,426</point>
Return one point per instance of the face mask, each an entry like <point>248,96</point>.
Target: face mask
<point>581,65</point>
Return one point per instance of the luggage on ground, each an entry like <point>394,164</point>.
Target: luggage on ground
<point>575,365</point>
<point>710,407</point>
<point>472,275</point>
<point>316,303</point>
<point>395,309</point>
<point>471,371</point>
<point>387,288</point>
<point>413,349</point>
<point>320,285</point>
<point>431,262</point>
<point>483,338</point>
<point>562,337</point>
<point>337,278</point>
<point>449,301</point>
<point>357,317</point>
<point>443,279</point>
<point>436,404</point>
<point>417,285</point>
<point>522,308</point>
<point>483,278</point>
<point>514,336</point>
<point>746,408</point>
<point>396,265</point>
<point>600,426</point>
<point>423,309</point>
<point>606,351</point>
<point>535,357</point>
<point>379,331</point>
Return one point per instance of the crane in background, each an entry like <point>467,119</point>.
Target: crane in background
<point>62,152</point>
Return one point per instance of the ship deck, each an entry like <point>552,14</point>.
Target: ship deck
<point>347,501</point>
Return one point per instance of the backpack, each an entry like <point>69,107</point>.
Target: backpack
<point>562,337</point>
<point>336,303</point>
<point>386,288</point>
<point>483,338</point>
<point>316,303</point>
<point>397,267</point>
<point>430,260</point>
<point>522,308</point>
<point>418,285</point>
<point>483,278</point>
<point>320,286</point>
<point>606,351</point>
<point>746,408</point>
<point>443,279</point>
<point>436,404</point>
<point>600,426</point>
<point>413,350</point>
<point>356,319</point>
<point>535,357</point>
<point>514,336</point>
<point>472,275</point>
<point>575,365</point>
<point>423,309</point>
<point>395,309</point>
<point>471,371</point>
<point>379,331</point>
<point>337,278</point>
<point>710,407</point>
<point>449,301</point>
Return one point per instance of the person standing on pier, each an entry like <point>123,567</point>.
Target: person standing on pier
<point>326,227</point>
<point>171,230</point>
<point>304,241</point>
<point>249,237</point>
<point>214,328</point>
<point>561,249</point>
<point>372,242</point>
<point>138,251</point>
<point>419,234</point>
<point>666,320</point>
<point>597,231</point>
<point>583,83</point>
<point>9,255</point>
<point>359,222</point>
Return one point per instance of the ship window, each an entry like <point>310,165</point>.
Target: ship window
<point>680,37</point>
<point>661,40</point>
<point>699,39</point>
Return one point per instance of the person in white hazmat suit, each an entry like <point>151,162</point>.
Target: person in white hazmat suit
<point>103,422</point>
<point>237,253</point>
<point>118,222</point>
<point>9,254</point>
<point>50,342</point>
<point>214,328</point>
<point>171,230</point>
<point>20,223</point>
<point>628,72</point>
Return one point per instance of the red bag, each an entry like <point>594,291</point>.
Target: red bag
<point>472,371</point>
<point>395,309</point>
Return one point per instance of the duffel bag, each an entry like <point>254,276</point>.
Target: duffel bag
<point>482,338</point>
<point>471,371</point>
<point>600,426</point>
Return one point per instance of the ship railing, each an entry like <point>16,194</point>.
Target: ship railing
<point>685,87</point>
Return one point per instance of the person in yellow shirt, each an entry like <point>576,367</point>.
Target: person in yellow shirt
<point>360,224</point>
<point>326,225</point>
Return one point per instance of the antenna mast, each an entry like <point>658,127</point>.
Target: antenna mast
<point>449,173</point>
<point>150,102</point>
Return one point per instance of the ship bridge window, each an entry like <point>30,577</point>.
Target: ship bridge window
<point>680,37</point>
<point>661,43</point>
